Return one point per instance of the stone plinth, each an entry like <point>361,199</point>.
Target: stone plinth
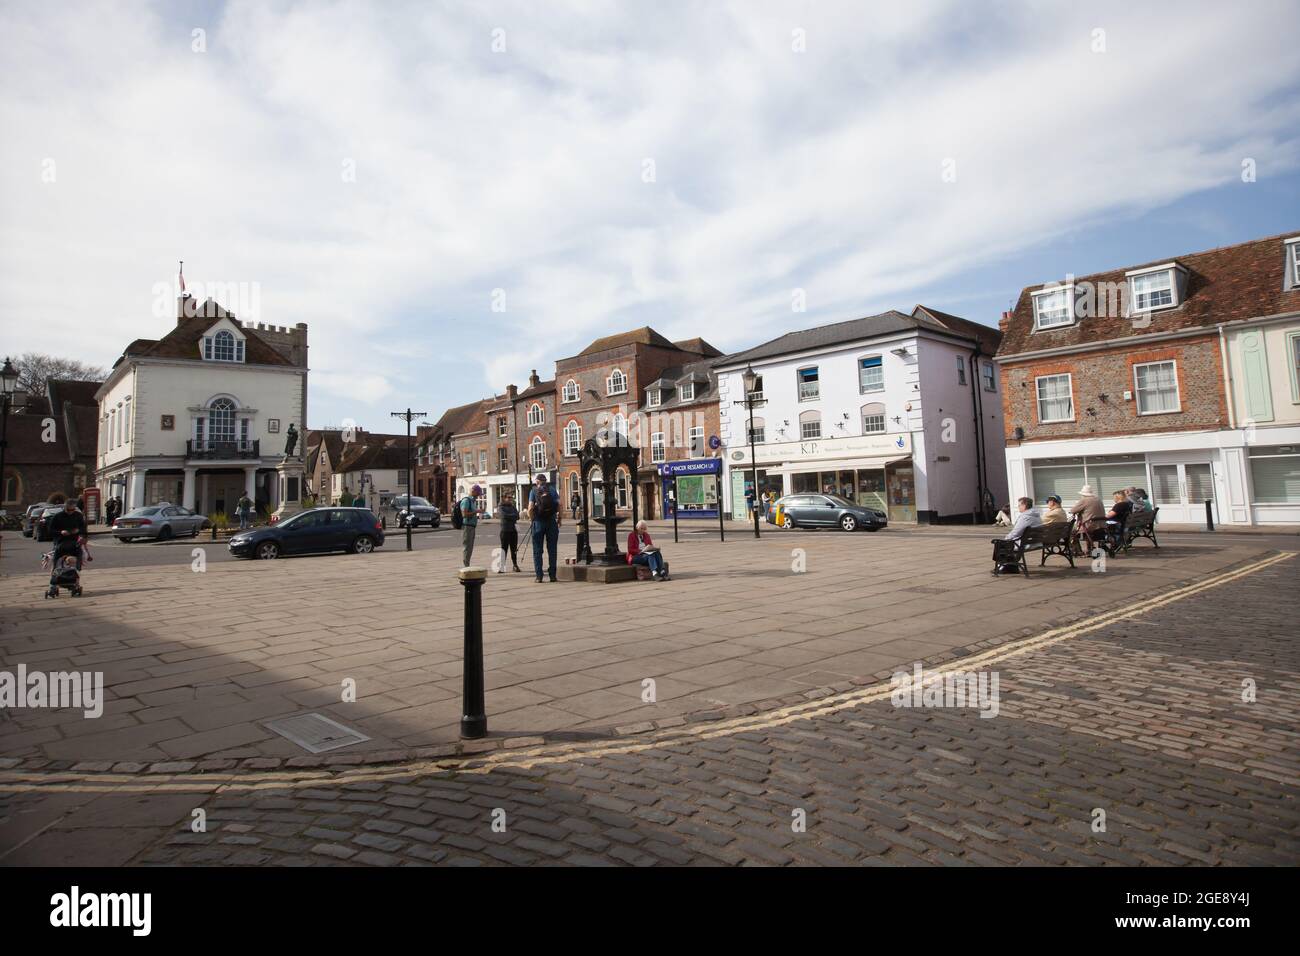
<point>596,573</point>
<point>290,475</point>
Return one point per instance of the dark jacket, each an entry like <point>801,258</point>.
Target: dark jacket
<point>74,524</point>
<point>508,515</point>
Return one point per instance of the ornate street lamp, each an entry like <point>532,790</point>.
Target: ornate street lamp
<point>8,383</point>
<point>750,379</point>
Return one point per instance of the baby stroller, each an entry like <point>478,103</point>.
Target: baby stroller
<point>66,573</point>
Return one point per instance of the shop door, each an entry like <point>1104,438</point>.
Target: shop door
<point>902,496</point>
<point>1180,491</point>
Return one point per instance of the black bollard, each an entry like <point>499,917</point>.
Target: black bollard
<point>1209,516</point>
<point>473,721</point>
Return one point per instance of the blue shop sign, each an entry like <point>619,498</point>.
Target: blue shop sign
<point>697,466</point>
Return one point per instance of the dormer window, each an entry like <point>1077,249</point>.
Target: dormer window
<point>653,396</point>
<point>1054,307</point>
<point>616,384</point>
<point>1293,263</point>
<point>1153,289</point>
<point>686,392</point>
<point>223,347</point>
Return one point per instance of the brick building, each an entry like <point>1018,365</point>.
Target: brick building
<point>685,443</point>
<point>51,442</point>
<point>533,412</point>
<point>1179,376</point>
<point>603,385</point>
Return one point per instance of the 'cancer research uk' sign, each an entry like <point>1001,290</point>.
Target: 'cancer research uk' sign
<point>850,446</point>
<point>698,466</point>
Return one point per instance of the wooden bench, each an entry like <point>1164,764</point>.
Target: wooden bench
<point>1140,524</point>
<point>1047,539</point>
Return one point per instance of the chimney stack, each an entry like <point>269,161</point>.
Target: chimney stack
<point>512,392</point>
<point>1004,321</point>
<point>533,380</point>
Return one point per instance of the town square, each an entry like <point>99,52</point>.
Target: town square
<point>444,436</point>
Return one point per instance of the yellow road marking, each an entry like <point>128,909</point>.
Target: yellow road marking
<point>550,754</point>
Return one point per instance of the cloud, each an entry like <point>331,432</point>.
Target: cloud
<point>378,170</point>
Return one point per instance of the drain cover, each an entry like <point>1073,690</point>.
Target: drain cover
<point>315,732</point>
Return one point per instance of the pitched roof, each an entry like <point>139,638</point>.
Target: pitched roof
<point>987,336</point>
<point>1227,284</point>
<point>698,346</point>
<point>541,388</point>
<point>389,453</point>
<point>642,336</point>
<point>185,340</point>
<point>853,330</point>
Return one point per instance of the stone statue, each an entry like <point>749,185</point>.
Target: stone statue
<point>290,440</point>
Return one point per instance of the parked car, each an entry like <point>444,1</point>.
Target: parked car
<point>29,518</point>
<point>161,522</point>
<point>416,511</point>
<point>39,530</point>
<point>318,529</point>
<point>829,511</point>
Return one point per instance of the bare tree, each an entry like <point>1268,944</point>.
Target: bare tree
<point>34,369</point>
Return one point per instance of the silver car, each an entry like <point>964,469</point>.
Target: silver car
<point>160,522</point>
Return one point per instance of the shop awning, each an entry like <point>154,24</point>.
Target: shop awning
<point>836,464</point>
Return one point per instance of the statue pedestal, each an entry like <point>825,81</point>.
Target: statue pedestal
<point>290,475</point>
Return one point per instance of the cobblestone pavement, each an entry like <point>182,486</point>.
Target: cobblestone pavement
<point>1143,719</point>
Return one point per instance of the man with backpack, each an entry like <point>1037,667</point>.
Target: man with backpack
<point>465,517</point>
<point>544,510</point>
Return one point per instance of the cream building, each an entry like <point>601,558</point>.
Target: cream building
<point>201,415</point>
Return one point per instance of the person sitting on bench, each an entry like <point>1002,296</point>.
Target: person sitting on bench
<point>1091,515</point>
<point>1029,517</point>
<point>1054,513</point>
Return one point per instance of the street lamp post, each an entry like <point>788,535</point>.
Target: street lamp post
<point>750,378</point>
<point>409,416</point>
<point>8,382</point>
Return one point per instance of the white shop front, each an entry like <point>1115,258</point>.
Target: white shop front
<point>871,470</point>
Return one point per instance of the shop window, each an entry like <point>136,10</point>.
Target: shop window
<point>1275,474</point>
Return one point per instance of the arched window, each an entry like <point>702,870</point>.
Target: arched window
<point>537,453</point>
<point>572,438</point>
<point>570,391</point>
<point>758,433</point>
<point>618,429</point>
<point>810,425</point>
<point>873,418</point>
<point>616,384</point>
<point>536,415</point>
<point>223,347</point>
<point>221,420</point>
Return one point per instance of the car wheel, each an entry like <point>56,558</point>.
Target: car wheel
<point>363,545</point>
<point>849,523</point>
<point>165,533</point>
<point>789,522</point>
<point>194,531</point>
<point>435,523</point>
<point>267,551</point>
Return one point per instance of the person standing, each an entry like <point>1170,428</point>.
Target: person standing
<point>574,504</point>
<point>544,510</point>
<point>244,508</point>
<point>509,516</point>
<point>468,523</point>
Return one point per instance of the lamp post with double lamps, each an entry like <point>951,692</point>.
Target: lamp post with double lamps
<point>408,416</point>
<point>750,379</point>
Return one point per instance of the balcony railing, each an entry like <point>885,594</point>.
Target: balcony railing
<point>222,450</point>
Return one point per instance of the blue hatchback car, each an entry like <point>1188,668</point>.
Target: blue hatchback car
<point>316,530</point>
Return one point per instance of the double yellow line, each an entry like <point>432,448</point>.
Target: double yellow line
<point>552,754</point>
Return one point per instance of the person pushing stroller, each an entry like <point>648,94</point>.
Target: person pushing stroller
<point>68,528</point>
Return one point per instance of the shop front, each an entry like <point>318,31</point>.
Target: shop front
<point>698,482</point>
<point>871,470</point>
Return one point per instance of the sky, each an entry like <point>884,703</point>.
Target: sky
<point>453,194</point>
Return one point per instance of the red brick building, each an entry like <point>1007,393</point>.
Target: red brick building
<point>51,444</point>
<point>1178,376</point>
<point>604,386</point>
